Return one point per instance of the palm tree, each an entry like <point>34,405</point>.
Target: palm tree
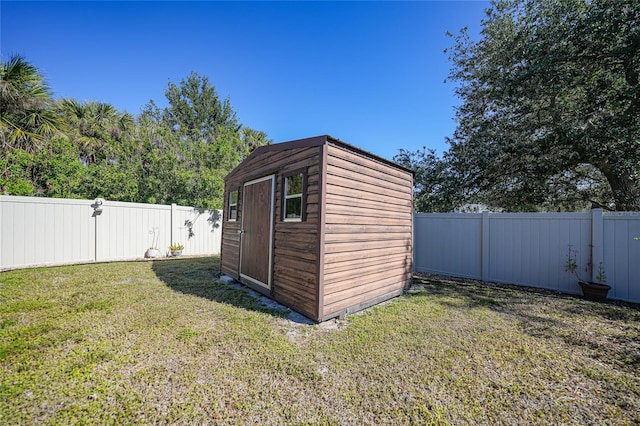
<point>27,115</point>
<point>97,128</point>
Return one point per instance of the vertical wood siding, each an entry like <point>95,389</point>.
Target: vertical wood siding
<point>368,230</point>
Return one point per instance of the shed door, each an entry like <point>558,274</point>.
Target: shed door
<point>257,230</point>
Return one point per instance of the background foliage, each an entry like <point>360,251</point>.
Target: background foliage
<point>65,148</point>
<point>550,114</point>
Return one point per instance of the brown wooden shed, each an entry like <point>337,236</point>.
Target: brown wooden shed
<point>319,225</point>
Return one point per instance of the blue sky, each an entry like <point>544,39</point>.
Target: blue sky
<point>369,73</point>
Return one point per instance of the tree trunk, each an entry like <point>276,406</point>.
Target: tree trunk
<point>626,191</point>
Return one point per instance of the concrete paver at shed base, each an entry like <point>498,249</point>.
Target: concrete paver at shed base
<point>266,301</point>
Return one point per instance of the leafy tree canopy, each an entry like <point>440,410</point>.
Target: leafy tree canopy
<point>179,154</point>
<point>26,116</point>
<point>436,186</point>
<point>203,138</point>
<point>550,117</point>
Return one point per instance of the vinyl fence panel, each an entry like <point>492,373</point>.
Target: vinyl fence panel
<point>127,230</point>
<point>45,231</point>
<point>39,231</point>
<point>199,230</point>
<point>447,243</point>
<point>531,248</point>
<point>622,255</point>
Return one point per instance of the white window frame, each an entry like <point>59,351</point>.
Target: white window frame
<point>288,197</point>
<point>233,206</point>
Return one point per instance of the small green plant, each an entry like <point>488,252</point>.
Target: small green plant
<point>601,277</point>
<point>176,246</point>
<point>571,265</point>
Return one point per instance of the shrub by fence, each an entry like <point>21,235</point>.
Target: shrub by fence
<point>531,248</point>
<point>50,231</point>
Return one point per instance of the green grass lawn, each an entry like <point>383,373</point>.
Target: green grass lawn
<point>164,342</point>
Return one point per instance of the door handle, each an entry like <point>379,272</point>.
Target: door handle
<point>240,231</point>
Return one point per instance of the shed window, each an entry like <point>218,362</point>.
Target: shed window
<point>233,206</point>
<point>293,197</point>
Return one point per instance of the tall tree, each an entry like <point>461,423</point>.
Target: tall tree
<point>196,112</point>
<point>56,170</point>
<point>437,187</point>
<point>179,154</point>
<point>27,115</point>
<point>252,139</point>
<point>104,140</point>
<point>551,104</point>
<point>99,130</point>
<point>198,140</point>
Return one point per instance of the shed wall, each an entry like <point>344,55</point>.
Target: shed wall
<point>295,251</point>
<point>367,232</point>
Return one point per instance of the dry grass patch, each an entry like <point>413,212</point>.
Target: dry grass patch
<point>164,342</point>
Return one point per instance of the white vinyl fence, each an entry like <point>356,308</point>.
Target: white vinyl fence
<point>52,231</point>
<point>531,248</point>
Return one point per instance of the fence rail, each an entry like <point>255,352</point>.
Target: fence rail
<point>52,231</point>
<point>531,248</point>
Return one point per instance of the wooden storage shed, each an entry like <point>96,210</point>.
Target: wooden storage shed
<point>319,225</point>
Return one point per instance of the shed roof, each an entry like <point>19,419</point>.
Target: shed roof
<point>317,141</point>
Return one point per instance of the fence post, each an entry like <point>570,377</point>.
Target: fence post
<point>413,242</point>
<point>597,241</point>
<point>96,211</point>
<point>95,236</point>
<point>1,240</point>
<point>174,230</point>
<point>484,249</point>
